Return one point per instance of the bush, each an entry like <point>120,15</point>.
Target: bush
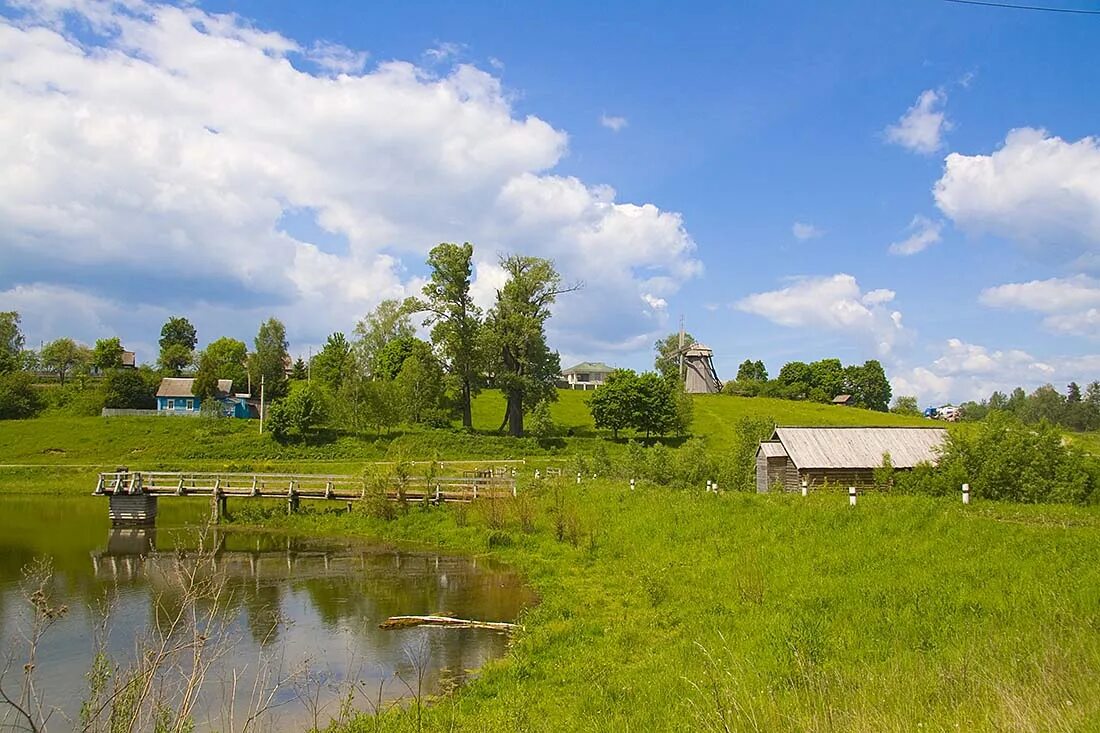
<point>1001,458</point>
<point>18,397</point>
<point>126,389</point>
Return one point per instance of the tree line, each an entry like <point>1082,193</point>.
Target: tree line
<point>379,376</point>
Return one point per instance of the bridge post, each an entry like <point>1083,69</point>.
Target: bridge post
<point>292,499</point>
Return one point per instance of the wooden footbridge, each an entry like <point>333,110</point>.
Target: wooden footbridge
<point>133,494</point>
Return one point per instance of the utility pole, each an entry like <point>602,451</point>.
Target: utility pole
<point>261,403</point>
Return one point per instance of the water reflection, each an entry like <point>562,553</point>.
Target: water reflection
<point>309,604</point>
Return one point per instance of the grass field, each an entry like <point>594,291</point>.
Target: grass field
<point>678,610</point>
<point>665,610</point>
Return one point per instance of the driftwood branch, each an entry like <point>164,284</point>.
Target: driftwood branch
<point>407,622</point>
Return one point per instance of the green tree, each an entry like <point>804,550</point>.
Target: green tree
<point>868,385</point>
<point>667,361</point>
<point>18,397</point>
<point>613,406</point>
<point>64,356</point>
<point>456,322</point>
<point>177,345</point>
<point>905,405</point>
<point>656,410</point>
<point>299,371</point>
<point>752,371</point>
<point>127,389</point>
<point>525,367</point>
<point>301,411</point>
<point>107,354</point>
<point>389,321</point>
<point>11,341</point>
<point>1045,403</point>
<point>388,363</point>
<point>223,358</point>
<point>418,387</point>
<point>267,363</point>
<point>828,376</point>
<point>1073,393</point>
<point>334,362</point>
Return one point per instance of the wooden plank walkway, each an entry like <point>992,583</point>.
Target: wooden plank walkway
<point>487,484</point>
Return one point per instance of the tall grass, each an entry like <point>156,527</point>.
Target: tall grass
<point>673,610</point>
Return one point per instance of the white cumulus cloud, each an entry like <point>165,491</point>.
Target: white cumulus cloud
<point>1072,304</point>
<point>1037,189</point>
<point>185,162</point>
<point>922,126</point>
<point>923,233</point>
<point>834,302</point>
<point>966,371</point>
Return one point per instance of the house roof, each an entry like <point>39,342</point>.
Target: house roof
<point>129,359</point>
<point>589,366</point>
<point>183,386</point>
<point>842,399</point>
<point>857,447</point>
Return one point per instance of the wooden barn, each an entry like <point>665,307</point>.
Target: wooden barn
<point>845,456</point>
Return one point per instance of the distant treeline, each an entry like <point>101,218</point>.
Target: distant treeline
<point>818,381</point>
<point>1076,409</point>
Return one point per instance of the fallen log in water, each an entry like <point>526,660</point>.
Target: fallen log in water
<point>407,622</point>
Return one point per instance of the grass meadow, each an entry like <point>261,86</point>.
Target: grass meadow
<point>674,610</point>
<point>667,610</point>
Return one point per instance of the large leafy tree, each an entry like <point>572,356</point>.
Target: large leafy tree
<point>667,361</point>
<point>107,354</point>
<point>389,321</point>
<point>267,363</point>
<point>63,356</point>
<point>388,363</point>
<point>333,364</point>
<point>525,367</point>
<point>614,404</point>
<point>177,344</point>
<point>456,322</point>
<point>868,385</point>
<point>223,358</point>
<point>657,411</point>
<point>18,396</point>
<point>11,341</point>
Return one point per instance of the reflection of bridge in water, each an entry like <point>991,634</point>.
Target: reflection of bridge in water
<point>132,552</point>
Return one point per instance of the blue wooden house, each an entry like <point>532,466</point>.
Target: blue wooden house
<point>175,396</point>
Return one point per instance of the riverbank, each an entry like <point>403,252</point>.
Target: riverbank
<point>666,610</point>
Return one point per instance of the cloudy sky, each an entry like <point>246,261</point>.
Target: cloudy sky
<point>917,182</point>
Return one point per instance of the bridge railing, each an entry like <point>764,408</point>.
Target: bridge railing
<point>306,486</point>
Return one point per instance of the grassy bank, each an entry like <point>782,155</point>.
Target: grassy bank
<point>665,610</point>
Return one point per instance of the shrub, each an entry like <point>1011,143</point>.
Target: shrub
<point>18,397</point>
<point>1001,458</point>
<point>127,389</point>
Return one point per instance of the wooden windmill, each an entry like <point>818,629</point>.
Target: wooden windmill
<point>697,367</point>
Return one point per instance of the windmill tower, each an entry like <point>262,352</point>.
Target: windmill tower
<point>697,367</point>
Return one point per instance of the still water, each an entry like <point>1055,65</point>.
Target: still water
<point>297,610</point>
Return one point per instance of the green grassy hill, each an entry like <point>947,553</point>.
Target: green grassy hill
<point>57,440</point>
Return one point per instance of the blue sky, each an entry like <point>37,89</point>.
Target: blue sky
<point>747,167</point>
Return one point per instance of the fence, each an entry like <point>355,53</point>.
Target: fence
<point>119,412</point>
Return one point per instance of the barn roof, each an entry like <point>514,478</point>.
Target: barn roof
<point>855,447</point>
<point>773,449</point>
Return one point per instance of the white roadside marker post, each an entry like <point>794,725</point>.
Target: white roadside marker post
<point>966,493</point>
<point>805,489</point>
<point>708,485</point>
<point>578,477</point>
<point>851,496</point>
<point>631,484</point>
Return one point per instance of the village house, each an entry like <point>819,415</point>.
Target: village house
<point>175,396</point>
<point>844,456</point>
<point>586,375</point>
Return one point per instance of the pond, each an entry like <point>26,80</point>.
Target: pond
<point>291,624</point>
